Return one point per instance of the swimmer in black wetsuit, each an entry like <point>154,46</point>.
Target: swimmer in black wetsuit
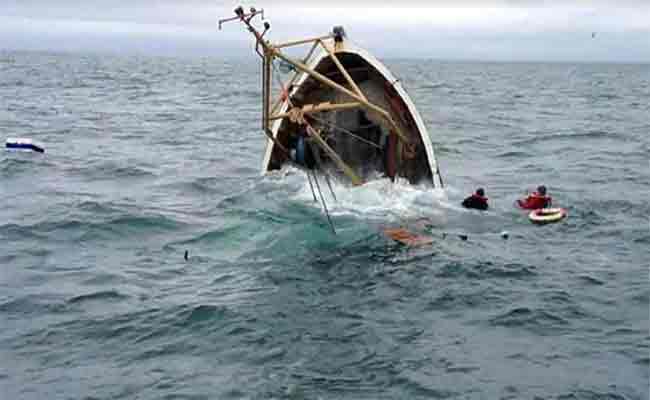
<point>477,201</point>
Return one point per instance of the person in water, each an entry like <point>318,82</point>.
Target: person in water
<point>536,200</point>
<point>477,201</point>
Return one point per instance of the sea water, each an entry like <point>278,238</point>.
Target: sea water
<point>150,157</point>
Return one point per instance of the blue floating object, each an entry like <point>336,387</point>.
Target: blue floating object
<point>23,144</point>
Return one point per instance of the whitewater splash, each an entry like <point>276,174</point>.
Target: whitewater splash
<point>378,198</point>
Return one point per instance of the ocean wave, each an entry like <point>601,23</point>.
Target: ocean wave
<point>451,299</point>
<point>148,326</point>
<point>568,136</point>
<point>202,314</point>
<point>76,84</point>
<point>148,223</point>
<point>607,96</point>
<point>212,236</point>
<point>78,229</point>
<point>586,394</point>
<point>417,384</point>
<point>239,94</point>
<point>515,154</point>
<point>441,149</point>
<point>591,280</point>
<point>331,380</point>
<point>15,232</point>
<point>96,207</point>
<point>205,185</point>
<point>642,297</point>
<point>33,305</point>
<point>101,296</point>
<point>433,85</point>
<point>110,170</point>
<point>457,269</point>
<point>540,321</point>
<point>614,209</point>
<point>15,164</point>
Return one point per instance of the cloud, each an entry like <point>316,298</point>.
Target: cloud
<point>497,29</point>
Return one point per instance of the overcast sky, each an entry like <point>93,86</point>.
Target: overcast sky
<point>518,30</point>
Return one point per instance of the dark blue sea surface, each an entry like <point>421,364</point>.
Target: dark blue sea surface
<point>149,157</point>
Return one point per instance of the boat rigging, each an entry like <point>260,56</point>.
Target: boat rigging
<point>342,112</point>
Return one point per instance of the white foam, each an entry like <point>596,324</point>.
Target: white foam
<point>377,199</point>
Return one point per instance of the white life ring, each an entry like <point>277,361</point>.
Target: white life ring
<point>547,215</point>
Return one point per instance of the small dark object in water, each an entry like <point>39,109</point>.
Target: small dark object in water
<point>187,255</point>
<point>505,235</point>
<point>462,237</point>
<point>477,201</point>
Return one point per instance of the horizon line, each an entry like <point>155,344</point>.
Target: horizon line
<point>241,57</point>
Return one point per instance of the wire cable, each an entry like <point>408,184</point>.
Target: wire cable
<point>329,124</point>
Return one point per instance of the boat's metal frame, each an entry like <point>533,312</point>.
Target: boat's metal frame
<point>273,112</point>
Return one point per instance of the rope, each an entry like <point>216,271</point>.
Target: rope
<point>325,122</point>
<point>315,152</point>
<point>327,179</point>
<point>284,89</point>
<point>311,186</point>
<point>322,199</point>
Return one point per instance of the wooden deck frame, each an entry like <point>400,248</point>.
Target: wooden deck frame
<point>303,41</point>
<point>294,78</point>
<point>315,108</point>
<point>347,76</point>
<point>333,85</point>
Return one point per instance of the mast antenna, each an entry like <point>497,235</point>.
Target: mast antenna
<point>241,15</point>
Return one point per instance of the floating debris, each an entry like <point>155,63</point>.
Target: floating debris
<point>23,144</point>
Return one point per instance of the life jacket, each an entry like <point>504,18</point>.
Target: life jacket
<point>477,202</point>
<point>535,201</point>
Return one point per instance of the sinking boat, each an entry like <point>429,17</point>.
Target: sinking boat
<point>342,112</point>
